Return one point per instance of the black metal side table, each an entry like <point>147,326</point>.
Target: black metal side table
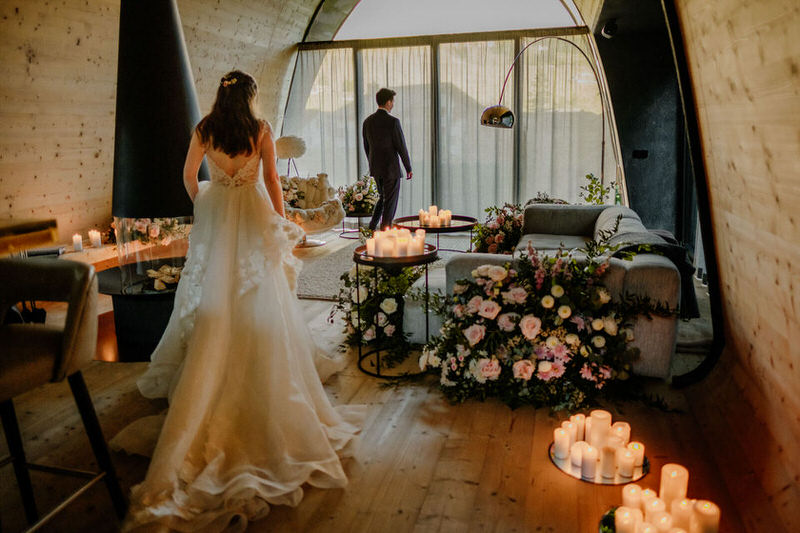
<point>353,233</point>
<point>390,265</point>
<point>458,224</point>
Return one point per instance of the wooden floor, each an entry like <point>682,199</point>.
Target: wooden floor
<point>423,465</point>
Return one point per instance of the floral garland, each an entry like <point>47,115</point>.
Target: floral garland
<point>152,230</point>
<point>291,194</point>
<point>545,332</point>
<point>501,231</point>
<point>381,306</point>
<point>360,197</point>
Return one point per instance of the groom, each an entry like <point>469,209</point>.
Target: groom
<point>384,142</point>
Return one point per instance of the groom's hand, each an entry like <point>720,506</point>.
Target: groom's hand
<point>408,175</point>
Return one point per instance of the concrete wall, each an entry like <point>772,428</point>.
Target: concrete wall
<point>57,92</point>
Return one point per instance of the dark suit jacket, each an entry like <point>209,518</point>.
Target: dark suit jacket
<point>384,142</point>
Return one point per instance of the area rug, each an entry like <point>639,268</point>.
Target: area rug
<point>319,279</point>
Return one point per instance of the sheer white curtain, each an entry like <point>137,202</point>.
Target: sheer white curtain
<point>321,110</point>
<point>560,121</point>
<point>475,162</point>
<point>406,70</point>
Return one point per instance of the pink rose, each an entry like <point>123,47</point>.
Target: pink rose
<point>389,330</point>
<point>530,326</point>
<point>490,239</point>
<point>489,309</point>
<point>497,273</point>
<point>506,321</point>
<point>501,219</point>
<point>458,288</point>
<point>490,368</point>
<point>474,304</point>
<point>493,225</point>
<point>474,334</point>
<point>516,295</point>
<point>458,310</point>
<point>499,238</point>
<point>369,334</point>
<point>492,249</point>
<point>523,369</point>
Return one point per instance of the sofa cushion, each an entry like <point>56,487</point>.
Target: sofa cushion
<point>629,222</point>
<point>561,219</point>
<point>545,242</point>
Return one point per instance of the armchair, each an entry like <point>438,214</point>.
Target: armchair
<point>317,208</point>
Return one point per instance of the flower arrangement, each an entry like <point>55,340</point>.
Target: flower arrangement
<point>501,231</point>
<point>360,197</point>
<point>381,307</point>
<point>291,194</point>
<point>545,332</point>
<point>153,230</point>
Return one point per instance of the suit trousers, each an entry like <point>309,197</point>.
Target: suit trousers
<point>385,208</point>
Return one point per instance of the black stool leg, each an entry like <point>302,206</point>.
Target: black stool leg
<point>14,440</point>
<point>98,442</point>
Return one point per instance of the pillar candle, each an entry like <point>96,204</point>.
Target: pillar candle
<point>572,429</point>
<point>624,520</point>
<point>402,246</point>
<point>653,506</point>
<point>705,517</point>
<point>677,530</point>
<point>608,462</point>
<point>632,496</point>
<point>601,425</point>
<point>371,246</point>
<point>77,242</point>
<point>580,423</point>
<point>95,239</point>
<point>647,495</point>
<point>614,442</point>
<point>663,521</point>
<point>589,462</point>
<point>576,453</point>
<point>625,460</point>
<point>647,527</point>
<point>681,511</point>
<point>561,443</point>
<point>587,428</point>
<point>638,451</point>
<point>621,430</point>
<point>433,210</point>
<point>674,481</point>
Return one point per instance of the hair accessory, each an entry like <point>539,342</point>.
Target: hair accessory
<point>231,81</point>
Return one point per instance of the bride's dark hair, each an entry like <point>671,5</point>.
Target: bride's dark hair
<point>232,126</point>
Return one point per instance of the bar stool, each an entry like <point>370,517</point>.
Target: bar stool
<point>35,354</point>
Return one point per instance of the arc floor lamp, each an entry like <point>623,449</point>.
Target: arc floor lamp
<point>500,116</point>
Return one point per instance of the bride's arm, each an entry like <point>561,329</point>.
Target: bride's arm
<point>271,179</point>
<point>194,158</point>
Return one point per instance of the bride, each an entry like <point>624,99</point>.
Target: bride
<point>249,422</point>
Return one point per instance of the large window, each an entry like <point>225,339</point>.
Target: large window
<point>442,85</point>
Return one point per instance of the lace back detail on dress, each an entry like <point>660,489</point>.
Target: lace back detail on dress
<point>247,175</point>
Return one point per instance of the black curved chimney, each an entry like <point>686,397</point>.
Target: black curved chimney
<point>156,112</point>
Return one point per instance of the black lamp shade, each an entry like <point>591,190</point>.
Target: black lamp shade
<point>156,112</point>
<point>497,116</point>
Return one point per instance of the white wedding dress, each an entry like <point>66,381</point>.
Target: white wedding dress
<point>249,421</point>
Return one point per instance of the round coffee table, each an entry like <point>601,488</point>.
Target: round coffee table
<point>392,265</point>
<point>458,224</point>
<point>348,233</point>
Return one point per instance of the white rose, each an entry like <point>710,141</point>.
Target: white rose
<point>552,341</point>
<point>572,339</point>
<point>599,341</point>
<point>557,291</point>
<point>359,294</point>
<point>497,273</point>
<point>564,311</point>
<point>548,301</point>
<point>389,306</point>
<point>545,366</point>
<point>610,325</point>
<point>483,270</point>
<point>597,324</point>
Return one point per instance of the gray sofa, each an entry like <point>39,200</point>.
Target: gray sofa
<point>548,227</point>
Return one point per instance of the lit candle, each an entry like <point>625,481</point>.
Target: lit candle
<point>589,462</point>
<point>674,481</point>
<point>647,495</point>
<point>77,242</point>
<point>624,520</point>
<point>95,239</point>
<point>572,429</point>
<point>433,210</point>
<point>647,527</point>
<point>576,453</point>
<point>621,430</point>
<point>561,440</point>
<point>632,496</point>
<point>587,428</point>
<point>601,425</point>
<point>614,442</point>
<point>705,517</point>
<point>580,422</point>
<point>625,460</point>
<point>420,233</point>
<point>681,511</point>
<point>421,217</point>
<point>608,462</point>
<point>663,522</point>
<point>371,246</point>
<point>638,450</point>
<point>652,507</point>
<point>402,246</point>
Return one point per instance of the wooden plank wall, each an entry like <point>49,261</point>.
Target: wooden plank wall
<point>744,59</point>
<point>58,71</point>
